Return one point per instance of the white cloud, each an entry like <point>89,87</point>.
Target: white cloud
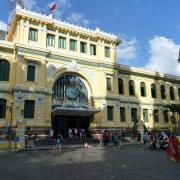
<point>3,26</point>
<point>77,18</point>
<point>163,56</point>
<point>64,3</point>
<point>63,9</point>
<point>127,50</point>
<point>30,4</point>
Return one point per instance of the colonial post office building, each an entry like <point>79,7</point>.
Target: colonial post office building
<point>53,73</point>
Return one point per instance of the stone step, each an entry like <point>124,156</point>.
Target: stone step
<point>65,141</point>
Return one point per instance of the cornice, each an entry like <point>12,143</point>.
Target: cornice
<point>6,46</point>
<point>127,70</point>
<point>26,14</point>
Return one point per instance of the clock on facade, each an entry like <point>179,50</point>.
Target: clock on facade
<point>71,92</point>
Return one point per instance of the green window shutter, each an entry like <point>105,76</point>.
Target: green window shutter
<point>31,73</point>
<point>33,34</point>
<point>110,113</point>
<point>121,86</point>
<point>108,84</point>
<point>134,115</point>
<point>143,89</point>
<point>62,42</point>
<point>165,114</point>
<point>50,40</point>
<point>156,115</point>
<point>73,45</point>
<point>93,49</point>
<point>2,108</point>
<point>29,106</point>
<point>145,115</point>
<point>107,52</point>
<point>83,47</point>
<point>131,88</point>
<point>4,70</point>
<point>163,92</point>
<point>122,114</point>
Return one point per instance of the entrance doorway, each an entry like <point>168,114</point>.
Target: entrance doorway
<point>64,123</point>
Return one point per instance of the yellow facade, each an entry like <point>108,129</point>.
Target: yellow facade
<point>51,62</point>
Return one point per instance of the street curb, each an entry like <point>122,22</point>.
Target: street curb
<point>72,147</point>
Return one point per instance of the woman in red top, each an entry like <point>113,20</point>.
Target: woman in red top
<point>174,149</point>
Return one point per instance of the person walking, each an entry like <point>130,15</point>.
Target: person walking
<point>116,142</point>
<point>105,138</point>
<point>173,151</point>
<point>119,139</point>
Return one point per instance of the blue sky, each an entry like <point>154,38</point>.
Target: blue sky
<point>149,29</point>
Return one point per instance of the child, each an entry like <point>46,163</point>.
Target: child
<point>58,145</point>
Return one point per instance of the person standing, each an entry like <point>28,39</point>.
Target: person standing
<point>116,142</point>
<point>58,145</point>
<point>138,138</point>
<point>70,133</point>
<point>51,134</point>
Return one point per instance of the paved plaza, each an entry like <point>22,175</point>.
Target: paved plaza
<point>127,163</point>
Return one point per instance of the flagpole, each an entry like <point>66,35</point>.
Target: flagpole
<point>53,9</point>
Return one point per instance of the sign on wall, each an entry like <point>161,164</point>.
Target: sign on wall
<point>19,98</point>
<point>21,134</point>
<point>40,99</point>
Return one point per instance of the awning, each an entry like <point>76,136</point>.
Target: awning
<point>67,111</point>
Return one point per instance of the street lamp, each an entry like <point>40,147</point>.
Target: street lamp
<point>179,57</point>
<point>11,108</point>
<point>100,117</point>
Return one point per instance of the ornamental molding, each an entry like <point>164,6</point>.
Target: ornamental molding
<point>92,75</point>
<point>52,68</point>
<point>73,66</point>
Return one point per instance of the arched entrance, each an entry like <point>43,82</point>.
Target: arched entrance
<point>71,104</point>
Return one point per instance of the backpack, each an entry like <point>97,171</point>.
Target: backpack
<point>58,140</point>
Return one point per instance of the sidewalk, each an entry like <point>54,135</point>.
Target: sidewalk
<point>73,146</point>
<point>68,146</point>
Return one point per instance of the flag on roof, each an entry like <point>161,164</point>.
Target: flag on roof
<point>53,7</point>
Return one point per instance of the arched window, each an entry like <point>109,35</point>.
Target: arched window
<point>163,92</point>
<point>70,90</point>
<point>153,90</point>
<point>121,86</point>
<point>131,87</point>
<point>179,93</point>
<point>165,115</point>
<point>143,89</point>
<point>4,70</point>
<point>2,108</point>
<point>171,91</point>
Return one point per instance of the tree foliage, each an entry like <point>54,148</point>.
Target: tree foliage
<point>175,120</point>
